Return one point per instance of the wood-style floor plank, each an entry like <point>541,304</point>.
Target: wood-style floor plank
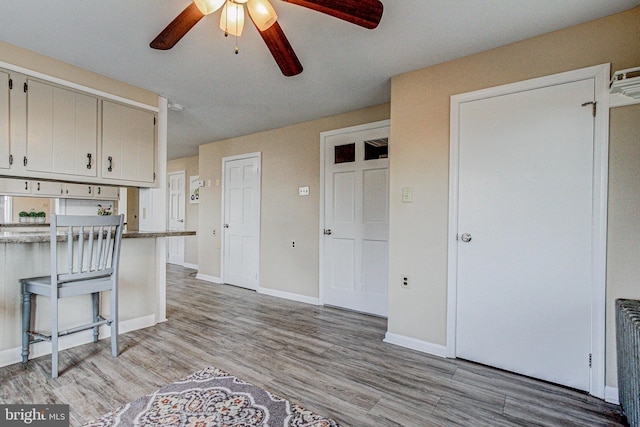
<point>330,361</point>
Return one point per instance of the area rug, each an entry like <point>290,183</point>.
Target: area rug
<point>210,398</point>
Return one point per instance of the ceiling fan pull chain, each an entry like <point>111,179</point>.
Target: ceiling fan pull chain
<point>237,29</point>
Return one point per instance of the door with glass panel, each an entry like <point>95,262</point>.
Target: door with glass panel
<point>356,218</point>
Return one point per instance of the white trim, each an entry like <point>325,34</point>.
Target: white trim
<point>599,224</point>
<point>323,137</point>
<point>13,355</point>
<point>191,266</point>
<point>257,155</point>
<point>611,395</point>
<point>288,296</point>
<point>211,279</point>
<point>32,73</point>
<point>414,344</point>
<point>161,278</point>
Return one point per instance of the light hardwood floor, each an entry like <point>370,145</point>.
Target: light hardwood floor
<point>331,361</point>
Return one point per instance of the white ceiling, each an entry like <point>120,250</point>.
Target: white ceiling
<point>225,95</point>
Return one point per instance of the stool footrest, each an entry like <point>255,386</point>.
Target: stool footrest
<point>41,337</point>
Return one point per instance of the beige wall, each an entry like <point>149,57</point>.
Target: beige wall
<point>43,64</point>
<point>190,167</point>
<point>27,204</point>
<point>290,159</point>
<point>420,159</point>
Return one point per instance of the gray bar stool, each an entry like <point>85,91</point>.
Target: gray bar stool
<point>93,252</point>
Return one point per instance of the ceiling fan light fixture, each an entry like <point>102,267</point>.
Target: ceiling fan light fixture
<point>262,13</point>
<point>232,18</point>
<point>208,6</point>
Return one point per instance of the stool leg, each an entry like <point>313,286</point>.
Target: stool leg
<point>96,313</point>
<point>115,350</point>
<point>54,334</point>
<point>26,322</point>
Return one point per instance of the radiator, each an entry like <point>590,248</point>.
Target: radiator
<point>628,350</point>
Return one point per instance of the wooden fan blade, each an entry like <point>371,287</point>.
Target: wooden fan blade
<point>366,13</point>
<point>177,28</point>
<point>281,50</point>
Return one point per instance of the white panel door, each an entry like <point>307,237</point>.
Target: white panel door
<point>356,228</point>
<point>524,279</point>
<point>177,190</point>
<point>241,221</point>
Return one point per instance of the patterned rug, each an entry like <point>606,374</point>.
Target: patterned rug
<point>211,397</point>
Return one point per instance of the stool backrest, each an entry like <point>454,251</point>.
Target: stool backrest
<point>93,246</point>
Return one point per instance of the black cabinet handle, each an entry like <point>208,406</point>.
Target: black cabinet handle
<point>26,185</point>
<point>110,168</point>
<point>88,160</point>
<point>38,186</point>
<point>89,189</point>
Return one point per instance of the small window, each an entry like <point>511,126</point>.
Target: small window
<point>376,149</point>
<point>345,153</point>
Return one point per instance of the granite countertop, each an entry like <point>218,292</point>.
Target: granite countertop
<point>44,236</point>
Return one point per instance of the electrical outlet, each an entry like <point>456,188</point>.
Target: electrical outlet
<point>405,282</point>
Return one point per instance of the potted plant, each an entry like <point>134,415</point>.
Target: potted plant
<point>32,216</point>
<point>24,215</point>
<point>40,217</point>
<point>104,210</point>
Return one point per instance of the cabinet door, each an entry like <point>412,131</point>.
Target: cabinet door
<point>107,193</point>
<point>39,127</point>
<point>4,120</point>
<point>81,191</point>
<point>15,186</point>
<point>128,143</point>
<point>61,130</point>
<point>46,188</point>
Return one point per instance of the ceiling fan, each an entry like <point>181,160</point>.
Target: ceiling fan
<point>365,13</point>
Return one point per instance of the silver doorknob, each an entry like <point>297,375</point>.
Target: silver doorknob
<point>328,232</point>
<point>466,237</point>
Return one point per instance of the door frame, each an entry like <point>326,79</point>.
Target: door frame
<point>183,173</point>
<point>323,138</point>
<point>257,155</point>
<point>599,222</point>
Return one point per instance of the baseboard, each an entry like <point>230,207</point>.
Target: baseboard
<point>414,344</point>
<point>208,278</point>
<point>191,266</point>
<point>611,395</point>
<point>12,355</point>
<point>289,296</point>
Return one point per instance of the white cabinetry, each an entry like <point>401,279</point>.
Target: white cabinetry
<point>4,121</point>
<point>86,191</point>
<point>25,187</point>
<point>46,188</point>
<point>15,186</point>
<point>62,130</point>
<point>128,143</point>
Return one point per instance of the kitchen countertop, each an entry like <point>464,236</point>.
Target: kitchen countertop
<point>44,236</point>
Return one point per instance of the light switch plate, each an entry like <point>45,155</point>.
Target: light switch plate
<point>407,195</point>
<point>303,191</point>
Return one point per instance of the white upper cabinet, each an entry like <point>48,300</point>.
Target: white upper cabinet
<point>128,143</point>
<point>62,130</point>
<point>4,121</point>
<point>56,132</point>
